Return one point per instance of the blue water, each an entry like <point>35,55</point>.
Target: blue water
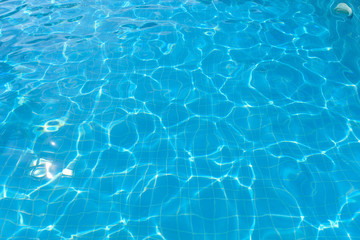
<point>185,120</point>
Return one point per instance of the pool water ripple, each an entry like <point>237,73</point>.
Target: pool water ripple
<point>208,119</point>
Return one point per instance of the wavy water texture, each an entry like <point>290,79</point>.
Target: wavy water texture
<point>179,120</point>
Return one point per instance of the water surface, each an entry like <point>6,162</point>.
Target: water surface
<point>179,120</point>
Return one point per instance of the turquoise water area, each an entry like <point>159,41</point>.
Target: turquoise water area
<point>182,120</point>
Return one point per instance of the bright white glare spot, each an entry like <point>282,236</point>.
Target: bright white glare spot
<point>38,172</point>
<point>33,163</point>
<point>21,219</point>
<point>67,172</point>
<point>47,167</point>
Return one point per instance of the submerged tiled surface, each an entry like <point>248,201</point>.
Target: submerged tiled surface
<point>179,120</point>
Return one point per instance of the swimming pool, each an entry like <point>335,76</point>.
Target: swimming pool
<point>179,120</point>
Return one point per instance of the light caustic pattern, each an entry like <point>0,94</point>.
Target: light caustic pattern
<point>179,120</point>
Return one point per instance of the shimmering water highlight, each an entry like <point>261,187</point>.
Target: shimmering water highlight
<point>179,120</point>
